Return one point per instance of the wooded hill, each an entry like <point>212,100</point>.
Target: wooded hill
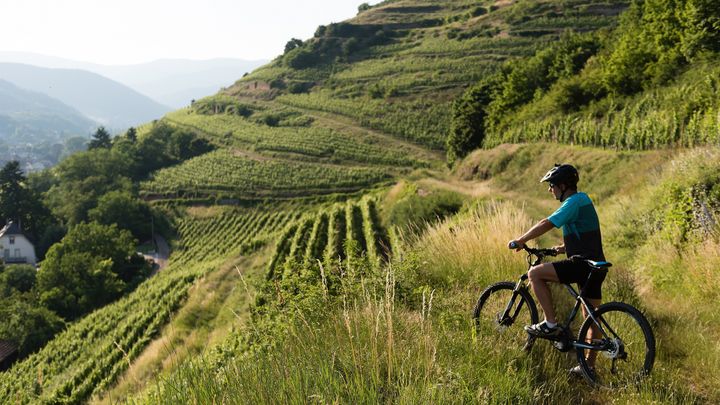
<point>323,251</point>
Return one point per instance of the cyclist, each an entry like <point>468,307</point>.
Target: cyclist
<point>581,238</point>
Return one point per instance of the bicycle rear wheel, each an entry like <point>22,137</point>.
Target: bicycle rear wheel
<point>501,328</point>
<point>626,352</point>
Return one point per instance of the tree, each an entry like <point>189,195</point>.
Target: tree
<point>350,46</point>
<point>292,44</point>
<point>27,325</point>
<point>701,27</point>
<point>85,176</point>
<point>17,279</point>
<point>184,145</point>
<point>131,134</point>
<point>100,139</point>
<point>13,194</point>
<point>19,203</point>
<point>656,39</point>
<point>127,212</point>
<point>92,266</point>
<point>301,58</point>
<point>467,128</point>
<point>72,145</point>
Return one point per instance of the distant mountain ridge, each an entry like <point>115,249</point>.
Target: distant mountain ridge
<point>27,116</point>
<point>172,82</point>
<point>176,82</point>
<point>103,100</point>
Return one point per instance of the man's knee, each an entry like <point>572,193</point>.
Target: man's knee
<point>542,272</point>
<point>534,274</point>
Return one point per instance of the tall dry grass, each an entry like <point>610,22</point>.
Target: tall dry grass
<point>472,247</point>
<point>369,349</point>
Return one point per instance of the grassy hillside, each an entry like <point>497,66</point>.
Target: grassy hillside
<point>404,334</point>
<point>359,255</point>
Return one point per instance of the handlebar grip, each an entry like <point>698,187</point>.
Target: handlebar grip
<point>513,245</point>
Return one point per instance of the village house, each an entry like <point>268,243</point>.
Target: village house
<point>15,247</point>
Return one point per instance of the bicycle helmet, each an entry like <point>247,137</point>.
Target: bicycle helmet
<point>562,174</point>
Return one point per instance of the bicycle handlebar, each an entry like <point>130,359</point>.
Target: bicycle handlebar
<point>537,252</point>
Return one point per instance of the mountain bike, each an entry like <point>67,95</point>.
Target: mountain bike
<point>625,349</point>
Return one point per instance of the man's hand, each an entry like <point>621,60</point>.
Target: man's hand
<point>559,248</point>
<point>516,244</point>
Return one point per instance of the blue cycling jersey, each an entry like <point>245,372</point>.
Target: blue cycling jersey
<point>580,225</point>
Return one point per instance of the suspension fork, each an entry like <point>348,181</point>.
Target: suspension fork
<point>520,285</point>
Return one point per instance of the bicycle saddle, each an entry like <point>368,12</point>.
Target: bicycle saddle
<point>599,265</point>
<point>593,263</point>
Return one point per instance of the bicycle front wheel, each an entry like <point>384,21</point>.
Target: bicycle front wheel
<point>501,313</point>
<point>625,348</point>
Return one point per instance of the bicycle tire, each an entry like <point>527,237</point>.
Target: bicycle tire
<point>636,338</point>
<point>492,303</point>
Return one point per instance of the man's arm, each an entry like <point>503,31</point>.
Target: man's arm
<point>537,230</point>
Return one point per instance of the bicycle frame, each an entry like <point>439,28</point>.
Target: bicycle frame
<point>580,301</point>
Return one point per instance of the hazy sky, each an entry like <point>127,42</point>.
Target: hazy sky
<point>134,31</point>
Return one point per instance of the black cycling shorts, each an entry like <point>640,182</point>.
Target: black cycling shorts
<point>577,271</point>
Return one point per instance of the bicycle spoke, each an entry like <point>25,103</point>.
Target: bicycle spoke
<point>626,355</point>
<point>501,326</point>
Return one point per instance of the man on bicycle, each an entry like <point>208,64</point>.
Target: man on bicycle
<point>581,237</point>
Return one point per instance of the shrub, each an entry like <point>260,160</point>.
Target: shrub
<point>364,7</point>
<point>478,11</point>
<point>572,94</point>
<point>293,44</point>
<point>299,87</point>
<point>414,212</point>
<point>300,58</point>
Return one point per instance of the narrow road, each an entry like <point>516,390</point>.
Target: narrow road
<point>162,252</point>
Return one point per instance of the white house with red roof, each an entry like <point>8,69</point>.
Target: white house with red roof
<point>15,247</point>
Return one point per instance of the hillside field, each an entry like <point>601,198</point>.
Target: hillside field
<point>335,214</point>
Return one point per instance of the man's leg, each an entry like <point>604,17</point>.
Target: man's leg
<point>593,333</point>
<point>539,275</point>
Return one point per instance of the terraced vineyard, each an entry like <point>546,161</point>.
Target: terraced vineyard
<point>405,85</point>
<point>90,355</point>
<point>235,174</point>
<point>422,121</point>
<point>302,142</point>
<point>346,233</point>
<point>286,131</point>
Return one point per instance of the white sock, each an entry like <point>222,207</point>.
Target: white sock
<point>550,325</point>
